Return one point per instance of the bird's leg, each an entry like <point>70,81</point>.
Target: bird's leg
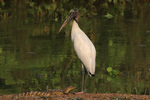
<point>83,80</point>
<point>83,76</point>
<point>85,73</point>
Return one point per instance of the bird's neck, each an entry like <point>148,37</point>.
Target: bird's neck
<point>74,25</point>
<point>76,20</point>
<point>75,29</point>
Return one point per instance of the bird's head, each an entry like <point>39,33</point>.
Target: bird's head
<point>75,14</point>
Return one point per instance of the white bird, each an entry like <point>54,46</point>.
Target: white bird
<point>83,46</point>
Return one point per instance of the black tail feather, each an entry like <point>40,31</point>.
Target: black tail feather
<point>91,74</point>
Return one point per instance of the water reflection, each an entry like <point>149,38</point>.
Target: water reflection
<point>37,57</point>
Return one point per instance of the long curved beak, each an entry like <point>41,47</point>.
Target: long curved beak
<point>65,23</point>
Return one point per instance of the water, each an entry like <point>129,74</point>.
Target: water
<point>34,56</point>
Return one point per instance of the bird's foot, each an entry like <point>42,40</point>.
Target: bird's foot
<point>82,92</point>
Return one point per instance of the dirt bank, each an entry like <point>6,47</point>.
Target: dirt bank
<point>87,96</point>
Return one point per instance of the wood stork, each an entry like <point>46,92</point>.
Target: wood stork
<point>83,46</point>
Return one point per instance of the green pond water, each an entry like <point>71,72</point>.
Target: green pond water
<point>36,57</point>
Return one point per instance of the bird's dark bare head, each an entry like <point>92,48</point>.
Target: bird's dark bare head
<point>75,14</point>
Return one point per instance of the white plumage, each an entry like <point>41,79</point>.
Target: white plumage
<point>84,48</point>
